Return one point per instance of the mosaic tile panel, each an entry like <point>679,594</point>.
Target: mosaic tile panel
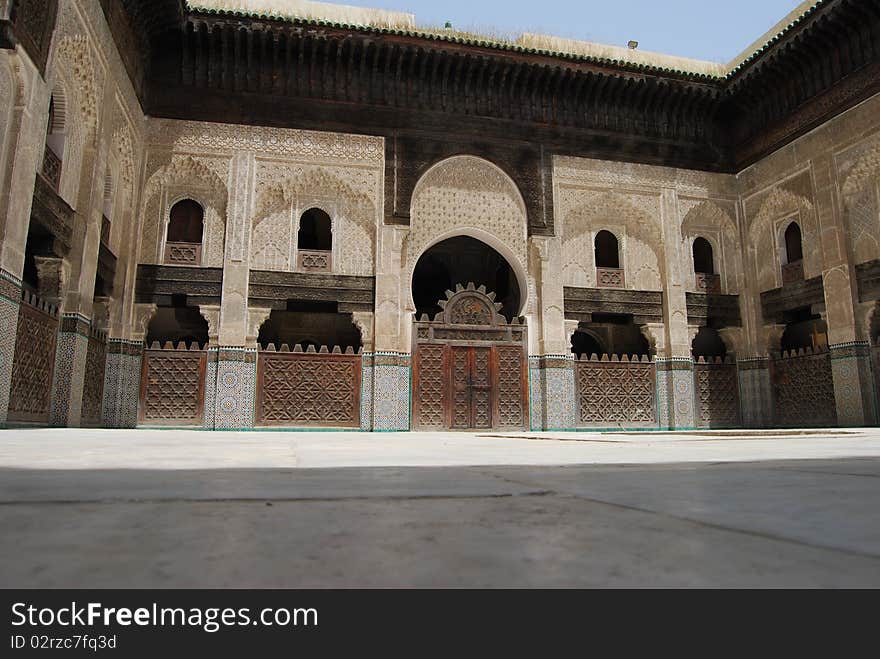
<point>70,368</point>
<point>854,384</point>
<point>559,397</point>
<point>536,394</point>
<point>235,393</point>
<point>8,326</point>
<point>391,393</point>
<point>367,394</point>
<point>675,394</point>
<point>230,388</point>
<point>210,389</point>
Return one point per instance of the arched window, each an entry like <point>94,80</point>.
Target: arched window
<point>315,232</point>
<point>607,250</point>
<point>183,245</point>
<point>187,222</point>
<point>794,248</point>
<point>704,260</point>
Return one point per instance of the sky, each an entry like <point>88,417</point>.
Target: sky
<point>702,29</point>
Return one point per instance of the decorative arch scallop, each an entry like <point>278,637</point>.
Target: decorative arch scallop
<point>468,196</point>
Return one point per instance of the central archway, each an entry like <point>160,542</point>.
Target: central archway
<point>469,342</point>
<point>461,260</point>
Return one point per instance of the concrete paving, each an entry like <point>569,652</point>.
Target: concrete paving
<point>192,449</point>
<point>188,509</point>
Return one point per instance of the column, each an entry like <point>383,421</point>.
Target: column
<point>551,364</point>
<point>76,307</point>
<point>122,374</point>
<point>391,360</point>
<point>675,368</point>
<point>364,320</point>
<point>848,343</point>
<point>231,385</point>
<point>27,128</point>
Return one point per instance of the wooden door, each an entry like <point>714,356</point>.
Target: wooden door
<point>471,381</point>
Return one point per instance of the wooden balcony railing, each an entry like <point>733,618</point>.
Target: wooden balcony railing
<point>315,260</point>
<point>183,253</point>
<point>792,272</point>
<point>707,283</point>
<point>52,168</point>
<point>610,278</point>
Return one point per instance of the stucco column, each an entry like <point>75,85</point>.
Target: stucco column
<point>76,311</point>
<point>851,366</point>
<point>122,370</point>
<point>675,369</point>
<point>389,364</point>
<point>753,357</point>
<point>26,133</point>
<point>551,365</point>
<point>365,322</point>
<point>231,375</point>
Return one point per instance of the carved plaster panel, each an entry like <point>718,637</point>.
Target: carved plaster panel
<point>465,195</point>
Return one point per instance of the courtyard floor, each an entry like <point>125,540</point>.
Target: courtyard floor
<point>103,508</point>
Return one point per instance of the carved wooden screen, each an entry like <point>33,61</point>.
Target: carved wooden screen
<point>616,393</point>
<point>34,363</point>
<point>469,370</point>
<point>173,386</point>
<point>93,386</point>
<point>717,395</point>
<point>309,389</point>
<point>803,389</point>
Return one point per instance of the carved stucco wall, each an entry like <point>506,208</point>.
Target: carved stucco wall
<point>104,121</point>
<point>184,177</point>
<point>290,171</point>
<point>768,213</point>
<point>626,199</point>
<point>632,217</point>
<point>466,195</point>
<point>715,221</point>
<point>286,190</point>
<point>7,103</point>
<point>77,71</point>
<point>859,176</point>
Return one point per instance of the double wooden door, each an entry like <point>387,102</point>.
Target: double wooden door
<point>469,387</point>
<point>471,378</point>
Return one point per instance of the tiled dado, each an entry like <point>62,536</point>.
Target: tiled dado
<point>230,388</point>
<point>854,384</point>
<point>367,392</point>
<point>10,296</point>
<point>755,392</point>
<point>676,399</point>
<point>70,370</point>
<point>391,391</point>
<point>552,394</point>
<point>122,381</point>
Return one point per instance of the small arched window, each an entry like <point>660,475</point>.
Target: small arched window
<point>794,248</point>
<point>607,250</point>
<point>704,260</point>
<point>315,231</point>
<point>187,222</point>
